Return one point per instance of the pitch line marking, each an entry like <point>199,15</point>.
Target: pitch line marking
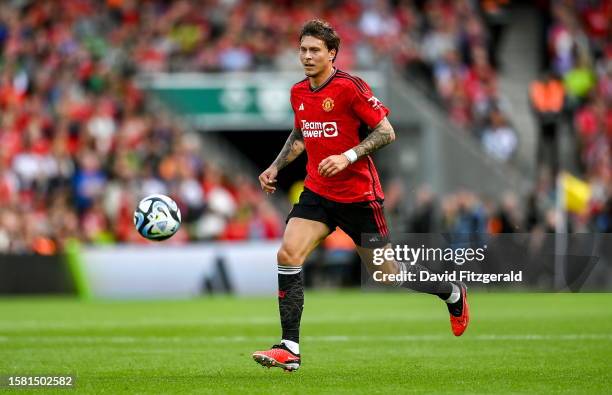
<point>339,338</point>
<point>38,325</point>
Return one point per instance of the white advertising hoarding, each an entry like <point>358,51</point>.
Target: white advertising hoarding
<point>179,271</point>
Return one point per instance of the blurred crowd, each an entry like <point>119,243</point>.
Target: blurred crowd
<point>454,46</point>
<point>575,92</point>
<point>574,95</point>
<point>79,145</point>
<point>465,212</point>
<point>576,86</point>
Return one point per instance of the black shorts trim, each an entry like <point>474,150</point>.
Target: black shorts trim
<point>364,222</point>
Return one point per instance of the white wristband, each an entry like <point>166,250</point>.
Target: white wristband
<point>351,155</point>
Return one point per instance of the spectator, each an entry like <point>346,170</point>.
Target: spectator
<point>496,18</point>
<point>547,97</point>
<point>499,139</point>
<point>423,218</point>
<point>579,81</point>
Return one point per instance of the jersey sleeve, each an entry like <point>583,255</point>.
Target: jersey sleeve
<point>366,106</point>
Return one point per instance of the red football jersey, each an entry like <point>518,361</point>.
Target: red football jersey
<point>334,118</point>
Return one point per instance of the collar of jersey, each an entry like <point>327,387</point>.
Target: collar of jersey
<point>324,84</point>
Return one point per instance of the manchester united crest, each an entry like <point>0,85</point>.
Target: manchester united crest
<point>328,104</point>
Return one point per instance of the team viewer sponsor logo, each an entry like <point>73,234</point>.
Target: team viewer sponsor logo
<point>319,129</point>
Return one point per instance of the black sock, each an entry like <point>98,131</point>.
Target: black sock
<point>441,289</point>
<point>290,300</point>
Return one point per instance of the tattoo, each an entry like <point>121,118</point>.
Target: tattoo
<point>293,147</point>
<point>382,135</point>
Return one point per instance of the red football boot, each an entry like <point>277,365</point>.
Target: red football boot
<point>459,312</point>
<point>278,356</point>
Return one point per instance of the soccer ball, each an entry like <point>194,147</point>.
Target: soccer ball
<point>157,217</point>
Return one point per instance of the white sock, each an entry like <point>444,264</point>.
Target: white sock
<point>455,294</point>
<point>292,346</point>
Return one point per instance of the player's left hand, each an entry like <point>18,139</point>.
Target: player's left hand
<point>333,165</point>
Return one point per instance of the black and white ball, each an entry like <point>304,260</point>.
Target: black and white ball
<point>157,217</point>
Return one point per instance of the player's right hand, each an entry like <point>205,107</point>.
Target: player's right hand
<point>267,179</point>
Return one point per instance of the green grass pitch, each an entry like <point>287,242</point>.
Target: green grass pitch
<point>352,342</point>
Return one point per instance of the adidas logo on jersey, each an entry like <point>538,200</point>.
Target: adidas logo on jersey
<point>301,107</point>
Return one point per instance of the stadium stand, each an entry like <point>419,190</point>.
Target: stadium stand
<point>78,143</point>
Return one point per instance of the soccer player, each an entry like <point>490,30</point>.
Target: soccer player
<point>339,123</point>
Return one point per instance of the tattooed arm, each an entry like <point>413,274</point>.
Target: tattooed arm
<point>380,136</point>
<point>293,147</point>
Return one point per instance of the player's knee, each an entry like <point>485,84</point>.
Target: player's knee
<point>289,256</point>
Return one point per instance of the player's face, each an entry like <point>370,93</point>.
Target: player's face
<point>315,56</point>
